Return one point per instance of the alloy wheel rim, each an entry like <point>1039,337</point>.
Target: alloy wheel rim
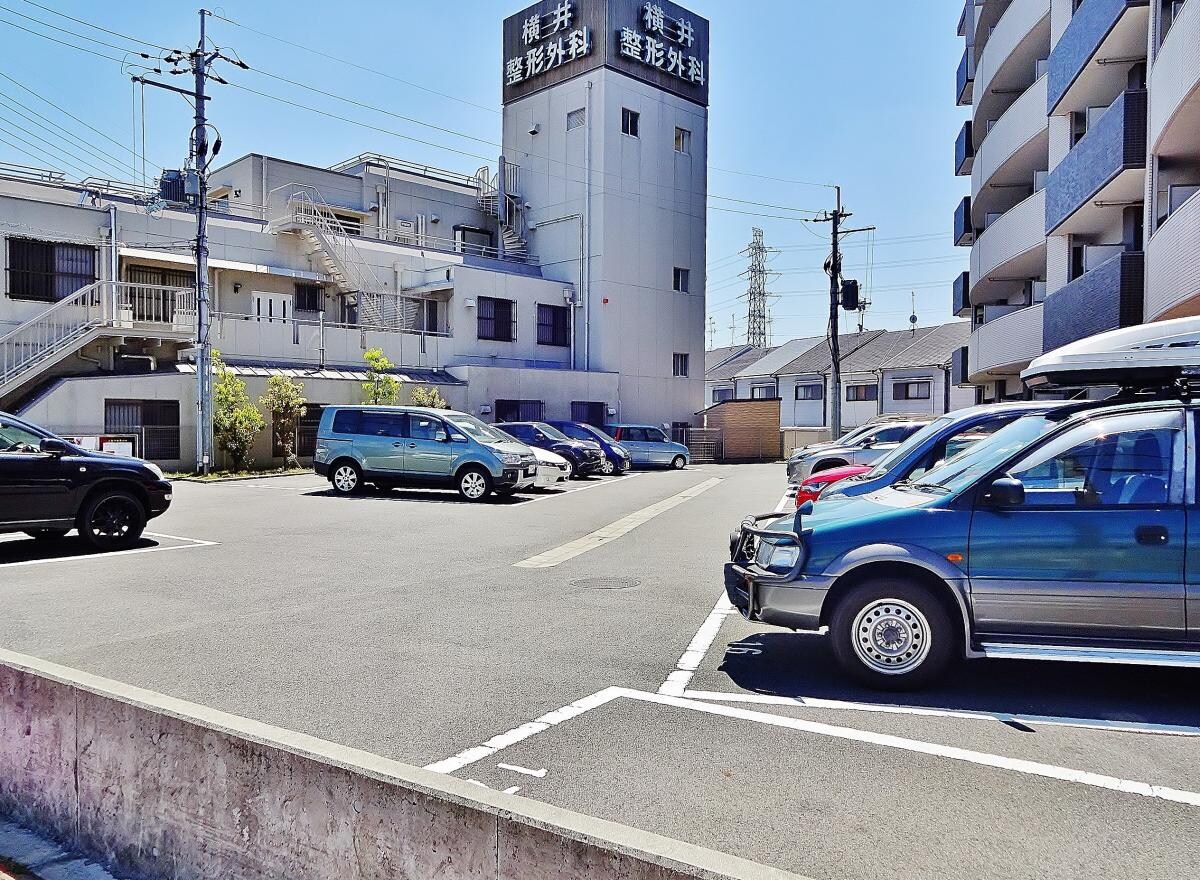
<point>113,519</point>
<point>606,466</point>
<point>678,462</point>
<point>891,636</point>
<point>345,479</point>
<point>473,485</point>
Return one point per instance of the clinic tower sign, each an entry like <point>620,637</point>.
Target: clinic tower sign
<point>655,41</point>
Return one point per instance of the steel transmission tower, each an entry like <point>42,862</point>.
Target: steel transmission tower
<point>757,321</point>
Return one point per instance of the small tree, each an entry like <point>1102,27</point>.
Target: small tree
<point>381,388</point>
<point>430,397</point>
<point>285,402</point>
<point>236,421</point>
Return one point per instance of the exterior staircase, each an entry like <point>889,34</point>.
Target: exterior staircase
<point>509,217</point>
<point>101,309</point>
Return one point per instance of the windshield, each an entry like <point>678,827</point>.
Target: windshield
<point>472,427</point>
<point>550,431</point>
<point>917,440</point>
<point>967,467</point>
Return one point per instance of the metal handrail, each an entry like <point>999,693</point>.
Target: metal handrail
<point>333,325</point>
<point>307,206</point>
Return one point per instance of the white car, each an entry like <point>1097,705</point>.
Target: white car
<point>552,469</point>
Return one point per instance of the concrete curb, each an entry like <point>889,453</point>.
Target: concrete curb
<point>132,729</point>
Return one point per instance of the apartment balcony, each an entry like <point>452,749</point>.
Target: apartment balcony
<point>1090,62</point>
<point>1104,172</point>
<point>1107,297</point>
<point>966,78</point>
<point>1005,346</point>
<point>1173,264</point>
<point>1008,63</point>
<point>964,232</point>
<point>964,151</point>
<point>1012,152</point>
<point>1175,81</point>
<point>960,304</point>
<point>1011,249</point>
<point>958,366</point>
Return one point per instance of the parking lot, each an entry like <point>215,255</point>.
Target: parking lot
<point>575,647</point>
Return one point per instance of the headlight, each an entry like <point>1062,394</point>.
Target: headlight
<point>511,457</point>
<point>154,469</point>
<point>777,557</point>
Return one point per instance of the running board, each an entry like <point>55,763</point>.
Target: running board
<point>1069,654</point>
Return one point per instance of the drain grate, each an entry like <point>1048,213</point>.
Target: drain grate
<point>607,583</point>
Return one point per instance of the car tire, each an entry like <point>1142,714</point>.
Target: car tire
<point>474,484</point>
<point>893,634</point>
<point>574,474</point>
<point>47,534</point>
<point>678,463</point>
<point>346,477</point>
<point>607,467</point>
<point>112,520</point>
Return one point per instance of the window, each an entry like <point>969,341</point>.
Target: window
<point>683,140</point>
<point>656,435</point>
<point>810,392</point>
<point>427,316</point>
<point>589,412</point>
<point>554,325</point>
<point>520,410</point>
<point>634,435</point>
<point>1115,461</point>
<point>308,298</point>
<point>346,421</point>
<point>47,271</point>
<point>910,390</point>
<point>763,392</point>
<point>149,303</point>
<point>720,395</point>
<point>862,392</point>
<point>422,427</point>
<point>894,434</point>
<point>495,319</point>
<point>306,429</point>
<point>155,423</point>
<point>629,121</point>
<point>157,277</point>
<point>577,119</point>
<point>679,364</point>
<point>14,439</point>
<point>382,424</point>
<point>679,280</point>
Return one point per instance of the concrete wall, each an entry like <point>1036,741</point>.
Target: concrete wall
<point>556,388</point>
<point>154,787</point>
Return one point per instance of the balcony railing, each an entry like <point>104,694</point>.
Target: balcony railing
<point>1005,346</point>
<point>1175,82</point>
<point>1087,31</point>
<point>958,366</point>
<point>1116,143</point>
<point>966,77</point>
<point>961,301</point>
<point>964,151</point>
<point>964,232</point>
<point>1173,263</point>
<point>1012,247</point>
<point>1107,297</point>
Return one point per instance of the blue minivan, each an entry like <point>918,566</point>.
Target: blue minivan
<point>616,457</point>
<point>414,446</point>
<point>649,446</point>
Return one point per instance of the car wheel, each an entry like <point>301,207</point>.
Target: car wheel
<point>474,484</point>
<point>47,534</point>
<point>893,635</point>
<point>607,467</point>
<point>678,462</point>
<point>574,474</point>
<point>346,478</point>
<point>112,521</point>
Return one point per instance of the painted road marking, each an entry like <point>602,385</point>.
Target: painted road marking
<point>608,481</point>
<point>613,530</point>
<point>190,544</point>
<point>883,740</point>
<point>927,711</point>
<point>513,767</point>
<point>512,789</point>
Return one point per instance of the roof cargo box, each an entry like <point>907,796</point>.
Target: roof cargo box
<point>1145,356</point>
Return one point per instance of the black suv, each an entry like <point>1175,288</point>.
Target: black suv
<point>49,486</point>
<point>584,456</point>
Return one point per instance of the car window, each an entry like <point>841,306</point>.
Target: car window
<point>1118,460</point>
<point>575,431</point>
<point>963,470</point>
<point>424,427</point>
<point>472,427</point>
<point>894,434</point>
<point>634,435</point>
<point>18,439</point>
<point>902,451</point>
<point>346,421</point>
<point>655,435</point>
<point>550,431</point>
<point>380,424</point>
<point>955,444</point>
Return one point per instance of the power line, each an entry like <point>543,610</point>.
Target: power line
<point>66,157</point>
<point>9,101</point>
<point>96,26</point>
<point>61,30</point>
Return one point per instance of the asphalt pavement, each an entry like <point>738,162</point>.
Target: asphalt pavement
<point>580,638</point>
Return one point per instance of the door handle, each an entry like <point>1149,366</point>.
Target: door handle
<point>412,445</point>
<point>397,444</point>
<point>1151,535</point>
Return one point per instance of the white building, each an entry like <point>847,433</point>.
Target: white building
<point>567,282</point>
<point>1082,149</point>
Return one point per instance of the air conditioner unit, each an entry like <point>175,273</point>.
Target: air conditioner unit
<point>406,231</point>
<point>569,297</point>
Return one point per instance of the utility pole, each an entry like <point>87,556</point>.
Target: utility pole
<point>198,62</point>
<point>756,317</point>
<point>712,332</point>
<point>835,291</point>
<point>733,329</point>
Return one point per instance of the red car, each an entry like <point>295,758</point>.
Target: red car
<point>811,488</point>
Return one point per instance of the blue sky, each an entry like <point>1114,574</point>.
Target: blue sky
<point>823,91</point>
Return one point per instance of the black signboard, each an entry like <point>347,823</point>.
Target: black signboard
<point>657,42</point>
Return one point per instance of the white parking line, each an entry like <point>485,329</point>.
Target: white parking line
<point>883,740</point>
<point>540,774</point>
<point>613,530</point>
<point>84,557</point>
<point>608,481</point>
<point>927,711</point>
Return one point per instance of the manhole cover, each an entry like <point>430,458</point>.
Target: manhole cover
<point>607,583</point>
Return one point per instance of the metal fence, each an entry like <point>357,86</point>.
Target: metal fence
<point>705,444</point>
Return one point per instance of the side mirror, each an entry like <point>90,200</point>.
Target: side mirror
<point>54,446</point>
<point>1006,492</point>
<point>538,436</point>
<point>441,437</point>
<point>867,444</point>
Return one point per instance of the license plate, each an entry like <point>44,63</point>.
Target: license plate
<point>531,471</point>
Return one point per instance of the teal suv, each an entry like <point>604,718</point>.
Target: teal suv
<point>414,446</point>
<point>1072,535</point>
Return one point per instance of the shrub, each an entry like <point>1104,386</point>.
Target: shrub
<point>236,421</point>
<point>285,402</point>
<point>381,388</point>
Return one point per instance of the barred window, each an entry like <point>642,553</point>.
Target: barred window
<point>679,364</point>
<point>308,298</point>
<point>47,271</point>
<point>495,319</point>
<point>155,423</point>
<point>577,118</point>
<point>554,325</point>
